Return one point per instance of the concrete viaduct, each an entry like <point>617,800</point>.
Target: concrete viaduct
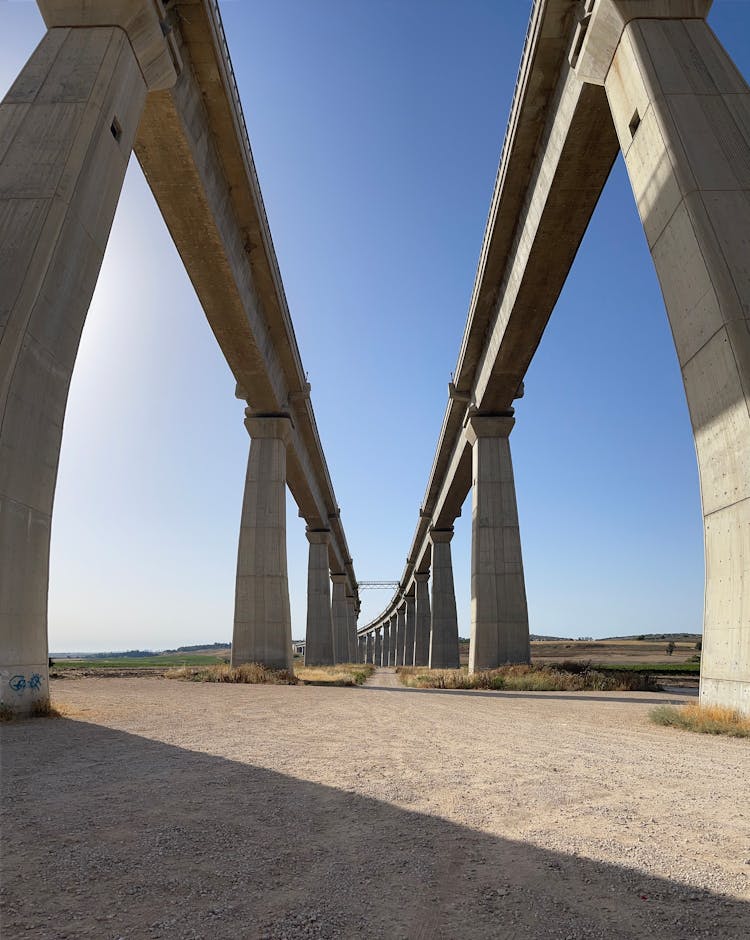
<point>108,78</point>
<point>647,77</point>
<point>650,78</point>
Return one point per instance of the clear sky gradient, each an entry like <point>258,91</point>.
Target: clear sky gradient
<point>376,129</point>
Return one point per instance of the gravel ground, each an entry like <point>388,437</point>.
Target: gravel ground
<point>167,809</point>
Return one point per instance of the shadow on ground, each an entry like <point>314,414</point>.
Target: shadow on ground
<point>110,835</point>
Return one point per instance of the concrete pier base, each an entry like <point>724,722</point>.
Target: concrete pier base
<point>423,619</point>
<point>262,618</point>
<point>319,635</point>
<point>340,615</point>
<point>499,616</point>
<point>444,628</point>
<point>682,115</point>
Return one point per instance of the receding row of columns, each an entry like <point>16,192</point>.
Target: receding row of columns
<point>422,630</point>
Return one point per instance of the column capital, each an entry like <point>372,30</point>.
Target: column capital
<point>421,577</point>
<point>273,426</point>
<point>441,535</point>
<point>318,536</point>
<point>604,21</point>
<point>144,21</point>
<point>477,426</point>
<point>339,578</point>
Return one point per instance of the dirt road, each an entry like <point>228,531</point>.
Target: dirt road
<point>178,810</point>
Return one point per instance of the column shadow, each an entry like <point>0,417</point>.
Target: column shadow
<point>110,835</point>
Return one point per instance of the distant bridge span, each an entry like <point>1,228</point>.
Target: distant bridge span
<point>648,77</point>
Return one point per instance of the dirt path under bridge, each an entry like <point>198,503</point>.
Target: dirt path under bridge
<point>168,809</point>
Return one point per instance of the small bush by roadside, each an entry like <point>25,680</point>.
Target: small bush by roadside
<point>579,677</point>
<point>705,719</point>
<point>40,709</point>
<point>250,673</point>
<point>345,674</point>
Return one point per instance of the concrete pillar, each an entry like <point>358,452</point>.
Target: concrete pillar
<point>386,642</point>
<point>262,618</point>
<point>368,648</point>
<point>319,636</point>
<point>351,619</point>
<point>444,627</point>
<point>398,659</point>
<point>340,614</point>
<point>682,114</point>
<point>409,632</point>
<point>393,640</point>
<point>423,619</point>
<point>67,128</point>
<point>499,617</point>
<point>378,647</point>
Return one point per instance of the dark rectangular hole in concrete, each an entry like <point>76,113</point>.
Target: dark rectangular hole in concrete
<point>116,129</point>
<point>634,122</point>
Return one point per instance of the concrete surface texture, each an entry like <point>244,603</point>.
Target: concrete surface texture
<point>499,616</point>
<point>351,629</point>
<point>400,635</point>
<point>319,635</point>
<point>682,115</point>
<point>378,647</point>
<point>340,614</point>
<point>262,618</point>
<point>444,625</point>
<point>423,619</point>
<point>67,127</point>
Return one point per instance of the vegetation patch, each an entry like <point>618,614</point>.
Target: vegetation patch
<point>560,677</point>
<point>655,669</point>
<point>705,719</point>
<point>132,662</point>
<point>247,673</point>
<point>42,708</point>
<point>345,674</point>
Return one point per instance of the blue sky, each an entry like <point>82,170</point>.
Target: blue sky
<point>376,130</point>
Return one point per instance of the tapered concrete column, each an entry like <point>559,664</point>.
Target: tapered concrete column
<point>499,617</point>
<point>423,619</point>
<point>400,635</point>
<point>351,619</point>
<point>67,127</point>
<point>444,628</point>
<point>378,648</point>
<point>262,618</point>
<point>409,632</point>
<point>393,641</point>
<point>369,652</point>
<point>386,643</point>
<point>682,114</point>
<point>319,637</point>
<point>340,613</point>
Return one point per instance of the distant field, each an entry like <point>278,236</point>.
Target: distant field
<point>137,662</point>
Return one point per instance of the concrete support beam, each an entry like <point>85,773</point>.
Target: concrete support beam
<point>351,619</point>
<point>385,658</point>
<point>378,647</point>
<point>423,619</point>
<point>499,616</point>
<point>67,128</point>
<point>340,615</point>
<point>369,648</point>
<point>319,636</point>
<point>400,635</point>
<point>262,618</point>
<point>409,631</point>
<point>444,628</point>
<point>392,640</point>
<point>682,115</point>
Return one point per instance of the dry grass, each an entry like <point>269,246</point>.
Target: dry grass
<point>705,719</point>
<point>344,674</point>
<point>250,673</point>
<point>41,708</point>
<point>566,677</point>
